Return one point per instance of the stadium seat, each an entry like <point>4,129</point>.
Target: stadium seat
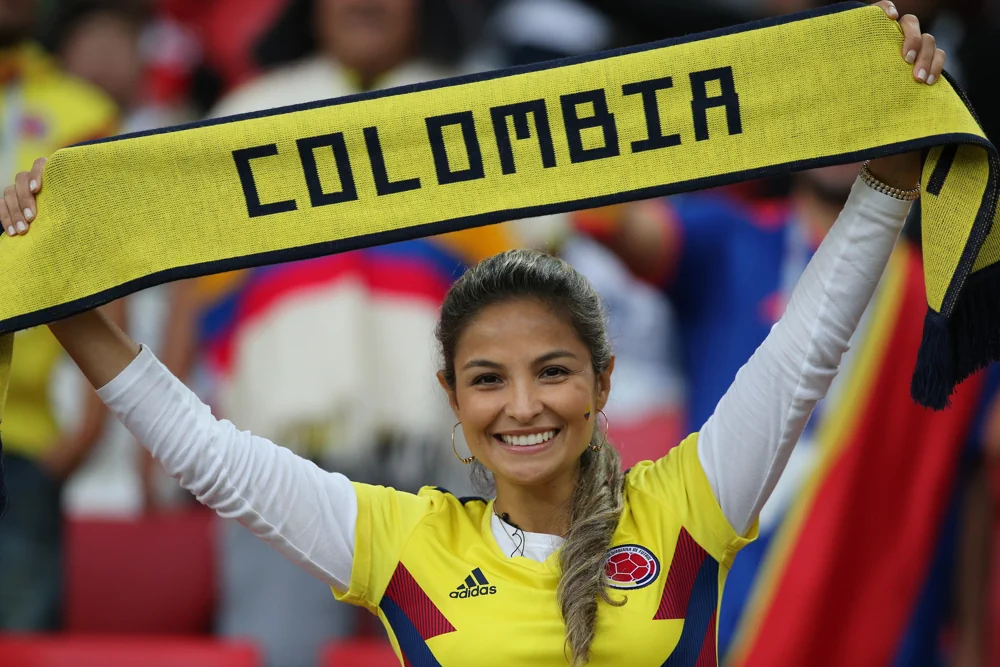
<point>367,652</point>
<point>63,651</point>
<point>152,576</point>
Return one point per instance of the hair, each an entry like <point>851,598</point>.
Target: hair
<point>69,15</point>
<point>597,498</point>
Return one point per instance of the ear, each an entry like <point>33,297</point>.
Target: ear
<point>452,398</point>
<point>604,385</point>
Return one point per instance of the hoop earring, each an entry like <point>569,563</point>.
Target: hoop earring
<point>604,441</point>
<point>466,460</point>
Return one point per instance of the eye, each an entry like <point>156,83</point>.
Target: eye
<point>486,380</point>
<point>554,372</point>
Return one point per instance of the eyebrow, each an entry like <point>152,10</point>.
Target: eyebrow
<point>555,354</point>
<point>549,356</point>
<point>481,363</point>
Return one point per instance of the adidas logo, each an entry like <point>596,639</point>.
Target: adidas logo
<point>474,585</point>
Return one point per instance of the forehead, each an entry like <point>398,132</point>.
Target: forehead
<point>521,328</point>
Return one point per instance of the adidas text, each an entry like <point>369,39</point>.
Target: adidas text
<point>474,592</point>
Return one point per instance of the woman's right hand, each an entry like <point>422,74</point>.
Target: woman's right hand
<point>95,342</point>
<point>18,207</point>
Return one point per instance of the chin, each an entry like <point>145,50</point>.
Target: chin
<point>530,473</point>
<point>527,477</point>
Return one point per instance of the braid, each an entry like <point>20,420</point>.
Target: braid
<point>597,507</point>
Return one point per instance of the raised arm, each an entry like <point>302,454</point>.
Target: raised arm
<point>308,514</point>
<point>745,444</point>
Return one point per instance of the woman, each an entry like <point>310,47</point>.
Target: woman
<point>572,561</point>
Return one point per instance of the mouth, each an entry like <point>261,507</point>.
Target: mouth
<point>526,441</point>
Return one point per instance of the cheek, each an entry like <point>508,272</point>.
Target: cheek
<point>574,401</point>
<point>477,410</point>
<point>570,402</point>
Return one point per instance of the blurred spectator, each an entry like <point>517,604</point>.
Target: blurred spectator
<point>42,109</point>
<point>334,357</point>
<point>98,41</point>
<point>113,44</point>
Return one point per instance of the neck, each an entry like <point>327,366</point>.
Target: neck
<point>544,508</point>
<point>370,75</point>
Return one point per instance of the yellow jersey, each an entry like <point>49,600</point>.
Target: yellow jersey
<point>429,567</point>
<point>41,109</point>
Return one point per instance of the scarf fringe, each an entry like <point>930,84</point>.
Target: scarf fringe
<point>934,375</point>
<point>954,348</point>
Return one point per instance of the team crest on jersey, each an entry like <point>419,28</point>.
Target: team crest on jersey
<point>630,566</point>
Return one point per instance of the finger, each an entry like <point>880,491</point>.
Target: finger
<point>889,8</point>
<point>16,216</point>
<point>937,66</point>
<point>922,67</point>
<point>35,182</point>
<point>25,200</point>
<point>5,221</point>
<point>911,37</point>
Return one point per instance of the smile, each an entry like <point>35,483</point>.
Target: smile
<point>527,440</point>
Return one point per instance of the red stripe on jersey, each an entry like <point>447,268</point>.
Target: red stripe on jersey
<point>707,656</point>
<point>410,598</point>
<point>688,557</point>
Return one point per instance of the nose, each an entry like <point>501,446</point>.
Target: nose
<point>524,404</point>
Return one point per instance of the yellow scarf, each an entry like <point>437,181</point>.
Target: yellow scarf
<point>801,91</point>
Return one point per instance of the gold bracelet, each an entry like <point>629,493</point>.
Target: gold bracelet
<point>869,178</point>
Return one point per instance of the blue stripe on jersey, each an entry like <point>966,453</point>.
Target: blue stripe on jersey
<point>413,646</point>
<point>700,611</point>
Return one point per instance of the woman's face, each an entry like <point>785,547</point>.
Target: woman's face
<point>103,49</point>
<point>526,392</point>
<point>368,36</point>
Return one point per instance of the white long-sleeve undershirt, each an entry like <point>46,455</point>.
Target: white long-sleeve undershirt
<point>309,514</point>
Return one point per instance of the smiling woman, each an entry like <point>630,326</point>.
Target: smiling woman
<point>526,363</point>
<point>573,561</point>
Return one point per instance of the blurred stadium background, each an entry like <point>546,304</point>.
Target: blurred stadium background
<point>334,358</point>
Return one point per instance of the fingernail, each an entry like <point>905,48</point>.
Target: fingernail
<point>28,214</point>
<point>12,231</point>
<point>930,79</point>
<point>892,10</point>
<point>33,185</point>
<point>922,74</point>
<point>21,227</point>
<point>911,56</point>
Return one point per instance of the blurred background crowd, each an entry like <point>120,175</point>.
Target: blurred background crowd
<point>878,547</point>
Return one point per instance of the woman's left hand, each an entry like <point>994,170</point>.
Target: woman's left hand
<point>919,50</point>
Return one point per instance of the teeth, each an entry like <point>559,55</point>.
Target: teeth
<point>526,440</point>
